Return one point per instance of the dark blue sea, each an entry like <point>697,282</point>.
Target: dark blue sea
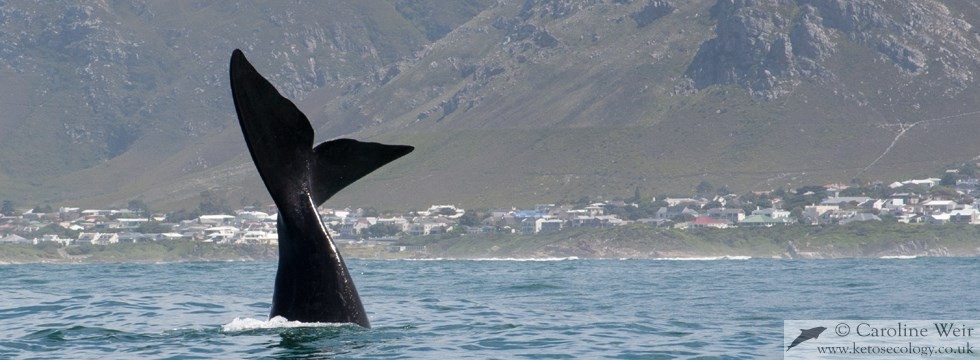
<point>449,309</point>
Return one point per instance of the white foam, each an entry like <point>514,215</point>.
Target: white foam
<point>492,259</point>
<point>899,257</point>
<point>709,258</point>
<point>278,322</point>
<point>527,259</point>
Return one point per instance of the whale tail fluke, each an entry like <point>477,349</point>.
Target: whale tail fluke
<point>312,282</point>
<point>280,139</point>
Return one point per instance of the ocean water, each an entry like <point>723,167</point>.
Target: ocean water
<point>504,309</point>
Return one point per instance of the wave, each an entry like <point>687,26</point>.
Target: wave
<point>899,257</point>
<point>492,259</point>
<point>278,322</point>
<point>708,258</point>
<point>527,259</point>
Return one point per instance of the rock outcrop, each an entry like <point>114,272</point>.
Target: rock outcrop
<point>767,46</point>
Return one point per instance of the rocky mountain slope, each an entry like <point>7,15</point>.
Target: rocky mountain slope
<point>507,102</point>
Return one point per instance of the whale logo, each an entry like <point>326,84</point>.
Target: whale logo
<point>806,335</point>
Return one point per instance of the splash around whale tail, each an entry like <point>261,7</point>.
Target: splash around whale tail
<point>280,139</point>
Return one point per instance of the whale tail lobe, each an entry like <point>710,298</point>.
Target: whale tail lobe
<point>280,139</point>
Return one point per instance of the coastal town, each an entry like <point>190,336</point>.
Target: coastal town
<point>951,199</point>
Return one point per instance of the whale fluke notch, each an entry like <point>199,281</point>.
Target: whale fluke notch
<point>312,282</point>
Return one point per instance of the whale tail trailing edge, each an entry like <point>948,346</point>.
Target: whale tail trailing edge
<point>280,139</point>
<point>312,282</point>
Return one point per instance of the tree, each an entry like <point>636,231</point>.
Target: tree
<point>816,189</point>
<point>807,195</point>
<point>853,191</point>
<point>183,214</point>
<point>682,218</point>
<point>969,169</point>
<point>705,188</point>
<point>948,180</point>
<point>470,218</point>
<point>8,208</point>
<point>138,206</point>
<point>637,196</point>
<point>382,230</point>
<point>944,192</point>
<point>713,205</point>
<point>370,212</point>
<point>53,229</point>
<point>211,204</point>
<point>153,227</point>
<point>797,212</point>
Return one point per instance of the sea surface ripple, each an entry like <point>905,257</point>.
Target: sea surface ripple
<point>565,308</point>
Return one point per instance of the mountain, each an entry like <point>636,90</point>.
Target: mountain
<point>109,101</point>
<point>506,102</point>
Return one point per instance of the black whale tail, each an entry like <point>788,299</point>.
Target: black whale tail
<point>312,282</point>
<point>280,139</point>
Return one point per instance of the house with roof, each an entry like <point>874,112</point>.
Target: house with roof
<point>759,220</point>
<point>909,218</point>
<point>939,206</point>
<point>834,190</point>
<point>731,215</point>
<point>938,219</point>
<point>652,221</point>
<point>965,216</point>
<point>690,202</point>
<point>671,212</point>
<point>480,230</point>
<point>596,209</point>
<point>256,216</point>
<point>353,227</point>
<point>835,216</point>
<point>132,223</point>
<point>772,212</point>
<point>55,239</point>
<point>812,214</point>
<point>169,236</point>
<point>904,198</point>
<point>131,237</point>
<point>220,234</point>
<point>97,238</point>
<point>398,221</point>
<point>448,211</point>
<point>925,183</point>
<point>846,201</point>
<point>428,227</point>
<point>547,225</point>
<point>14,239</point>
<point>258,237</point>
<point>859,217</point>
<point>708,222</point>
<point>216,219</point>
